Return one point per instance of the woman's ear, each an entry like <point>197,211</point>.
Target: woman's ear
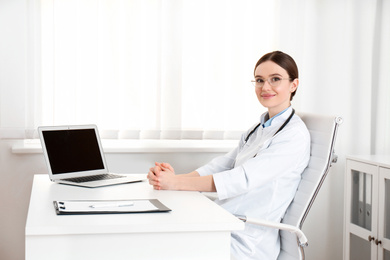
<point>294,85</point>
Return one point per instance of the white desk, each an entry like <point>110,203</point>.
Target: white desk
<point>196,228</point>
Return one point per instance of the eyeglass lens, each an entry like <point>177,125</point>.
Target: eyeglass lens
<point>273,81</point>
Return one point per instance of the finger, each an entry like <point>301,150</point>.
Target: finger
<point>167,166</point>
<point>151,175</point>
<point>153,169</point>
<point>151,172</point>
<point>156,170</point>
<point>163,165</point>
<point>154,178</point>
<point>154,182</point>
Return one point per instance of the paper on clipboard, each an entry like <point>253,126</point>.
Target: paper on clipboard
<point>108,206</point>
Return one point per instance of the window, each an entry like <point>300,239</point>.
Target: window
<point>152,68</point>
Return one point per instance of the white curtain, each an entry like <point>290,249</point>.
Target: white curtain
<point>181,69</point>
<point>343,48</point>
<point>152,68</point>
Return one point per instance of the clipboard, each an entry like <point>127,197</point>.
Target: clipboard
<point>82,207</point>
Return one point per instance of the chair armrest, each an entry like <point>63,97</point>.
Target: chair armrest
<point>292,229</point>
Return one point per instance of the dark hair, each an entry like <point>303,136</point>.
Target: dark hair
<point>283,60</point>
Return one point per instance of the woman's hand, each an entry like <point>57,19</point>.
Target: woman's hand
<point>162,176</point>
<point>165,166</point>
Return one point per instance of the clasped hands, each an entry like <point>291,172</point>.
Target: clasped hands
<point>162,176</point>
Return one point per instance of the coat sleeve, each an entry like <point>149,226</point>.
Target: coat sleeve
<point>287,154</point>
<point>224,162</point>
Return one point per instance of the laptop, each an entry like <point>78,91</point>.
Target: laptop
<point>74,156</point>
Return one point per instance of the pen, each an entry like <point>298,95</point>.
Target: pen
<point>110,205</point>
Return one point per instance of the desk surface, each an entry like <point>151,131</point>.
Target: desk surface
<point>191,211</point>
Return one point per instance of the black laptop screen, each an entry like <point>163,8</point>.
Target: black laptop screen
<point>73,150</point>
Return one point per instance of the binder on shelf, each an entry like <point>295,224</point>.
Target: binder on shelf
<point>79,207</point>
<point>368,201</point>
<point>362,210</point>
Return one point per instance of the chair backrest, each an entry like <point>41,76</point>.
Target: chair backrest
<point>323,131</point>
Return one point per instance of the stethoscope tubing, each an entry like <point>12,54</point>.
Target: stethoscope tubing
<point>280,128</point>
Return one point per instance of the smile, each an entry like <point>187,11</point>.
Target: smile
<point>268,96</point>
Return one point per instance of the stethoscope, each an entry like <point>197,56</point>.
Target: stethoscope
<point>280,128</point>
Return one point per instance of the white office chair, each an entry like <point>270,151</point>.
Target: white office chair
<point>323,131</point>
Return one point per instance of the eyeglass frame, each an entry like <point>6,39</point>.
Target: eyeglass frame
<point>272,84</point>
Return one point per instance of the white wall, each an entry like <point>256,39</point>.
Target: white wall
<point>16,172</point>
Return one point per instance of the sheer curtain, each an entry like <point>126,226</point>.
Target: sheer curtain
<point>343,48</point>
<point>181,69</point>
<point>150,68</point>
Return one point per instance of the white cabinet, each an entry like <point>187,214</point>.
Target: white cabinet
<point>367,208</point>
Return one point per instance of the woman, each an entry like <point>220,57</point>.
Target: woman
<point>259,178</point>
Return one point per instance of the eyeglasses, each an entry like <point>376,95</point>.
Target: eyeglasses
<point>274,81</point>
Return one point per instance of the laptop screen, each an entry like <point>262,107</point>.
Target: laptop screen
<point>73,150</point>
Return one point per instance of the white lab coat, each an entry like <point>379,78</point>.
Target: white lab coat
<point>261,186</point>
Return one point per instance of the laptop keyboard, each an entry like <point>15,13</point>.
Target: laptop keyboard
<point>98,177</point>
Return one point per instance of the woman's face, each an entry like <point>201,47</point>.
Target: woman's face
<point>276,99</point>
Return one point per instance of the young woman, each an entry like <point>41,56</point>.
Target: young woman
<point>260,176</point>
